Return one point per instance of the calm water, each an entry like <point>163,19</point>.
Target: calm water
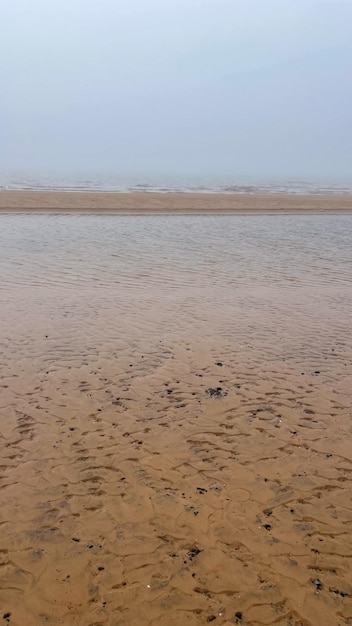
<point>172,252</point>
<point>179,276</point>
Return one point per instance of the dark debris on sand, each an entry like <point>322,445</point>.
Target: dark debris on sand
<point>216,392</point>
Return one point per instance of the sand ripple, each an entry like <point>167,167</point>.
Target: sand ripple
<point>175,421</point>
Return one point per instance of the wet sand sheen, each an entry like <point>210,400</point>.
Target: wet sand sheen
<point>175,438</point>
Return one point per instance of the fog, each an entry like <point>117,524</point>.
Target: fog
<point>196,87</point>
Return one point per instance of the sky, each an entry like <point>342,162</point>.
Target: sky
<point>198,87</point>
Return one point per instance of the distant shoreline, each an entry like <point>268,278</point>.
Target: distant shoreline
<point>172,203</point>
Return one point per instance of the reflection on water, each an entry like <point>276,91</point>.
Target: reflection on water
<point>146,252</point>
<point>175,420</point>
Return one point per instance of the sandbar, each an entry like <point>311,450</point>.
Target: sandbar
<point>152,203</point>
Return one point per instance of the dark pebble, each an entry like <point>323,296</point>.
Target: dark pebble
<point>343,594</point>
<point>211,618</point>
<point>101,569</point>
<point>75,539</point>
<point>267,526</point>
<point>193,552</point>
<point>238,617</point>
<point>6,616</point>
<point>219,364</point>
<point>317,583</point>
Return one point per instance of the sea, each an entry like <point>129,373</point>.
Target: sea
<point>161,183</point>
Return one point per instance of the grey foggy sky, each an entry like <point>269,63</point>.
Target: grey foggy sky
<point>233,87</point>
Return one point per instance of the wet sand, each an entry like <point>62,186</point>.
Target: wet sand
<point>180,203</point>
<point>176,428</point>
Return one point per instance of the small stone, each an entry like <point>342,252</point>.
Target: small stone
<point>238,617</point>
<point>317,583</point>
<point>193,552</point>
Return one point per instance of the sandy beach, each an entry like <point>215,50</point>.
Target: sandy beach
<point>175,420</point>
<point>164,203</point>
